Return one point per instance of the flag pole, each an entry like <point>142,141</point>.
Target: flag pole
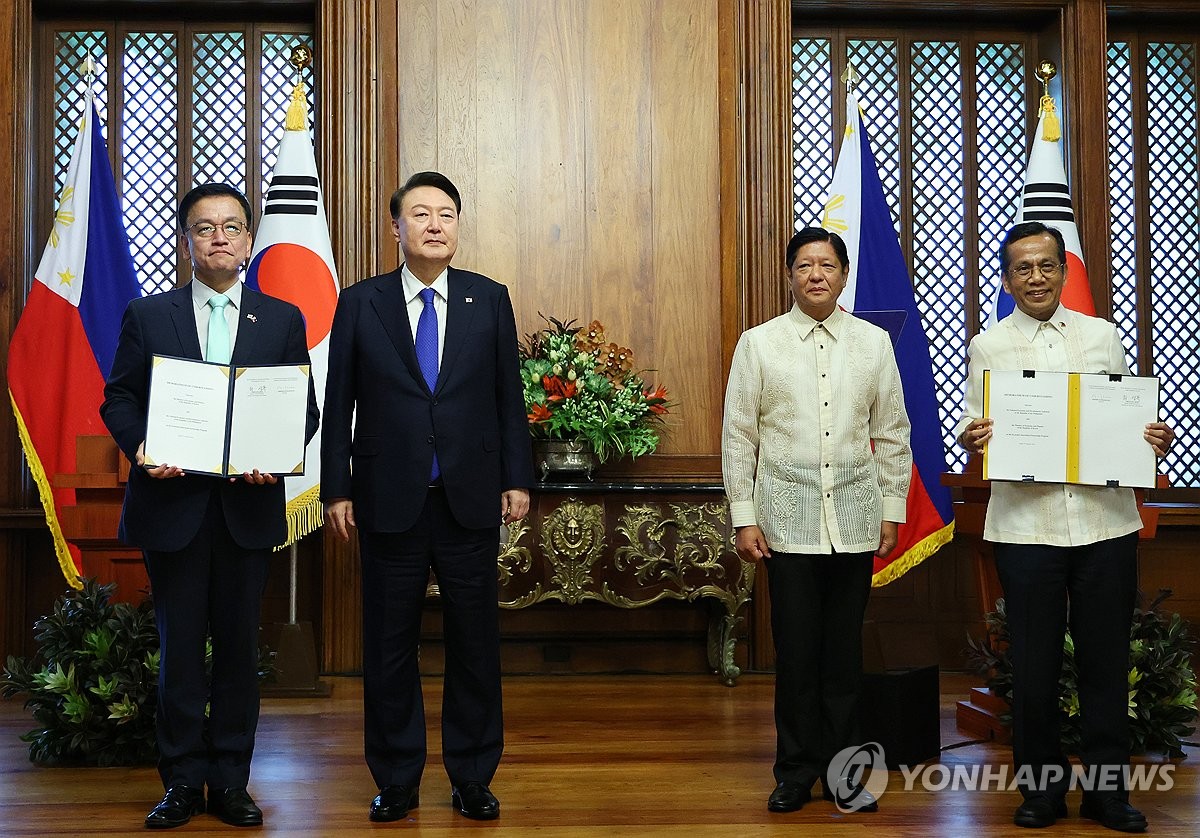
<point>296,673</point>
<point>300,58</point>
<point>293,562</point>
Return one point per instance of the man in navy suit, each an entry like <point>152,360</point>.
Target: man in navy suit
<point>207,540</point>
<point>424,359</point>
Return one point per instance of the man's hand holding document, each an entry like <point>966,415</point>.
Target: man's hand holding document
<point>1057,427</point>
<point>222,420</point>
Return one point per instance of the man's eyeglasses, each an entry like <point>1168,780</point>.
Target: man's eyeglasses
<point>1049,270</point>
<point>204,230</point>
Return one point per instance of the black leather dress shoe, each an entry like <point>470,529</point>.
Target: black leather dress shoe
<point>234,806</point>
<point>1114,813</point>
<point>858,799</point>
<point>788,797</point>
<point>1039,812</point>
<point>476,801</point>
<point>177,807</point>
<point>393,803</point>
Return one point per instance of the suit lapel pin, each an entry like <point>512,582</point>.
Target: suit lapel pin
<point>251,318</point>
<point>469,300</point>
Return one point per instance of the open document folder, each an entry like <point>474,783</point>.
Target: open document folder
<point>1058,427</point>
<point>217,419</point>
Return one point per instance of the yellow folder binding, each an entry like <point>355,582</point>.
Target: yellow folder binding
<point>987,411</point>
<point>1073,427</point>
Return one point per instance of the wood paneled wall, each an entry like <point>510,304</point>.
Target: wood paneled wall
<point>585,139</point>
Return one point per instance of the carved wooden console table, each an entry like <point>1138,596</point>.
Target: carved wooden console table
<point>631,545</point>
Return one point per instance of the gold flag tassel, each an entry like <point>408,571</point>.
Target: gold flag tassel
<point>297,112</point>
<point>1051,132</point>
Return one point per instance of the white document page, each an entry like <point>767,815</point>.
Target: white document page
<point>187,413</point>
<point>1029,415</point>
<point>270,410</point>
<point>1112,417</point>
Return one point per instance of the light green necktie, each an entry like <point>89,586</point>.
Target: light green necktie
<point>218,330</point>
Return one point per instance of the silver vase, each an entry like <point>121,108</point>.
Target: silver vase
<point>563,456</point>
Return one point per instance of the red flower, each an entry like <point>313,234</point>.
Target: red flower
<point>557,390</point>
<point>540,413</point>
<point>656,400</point>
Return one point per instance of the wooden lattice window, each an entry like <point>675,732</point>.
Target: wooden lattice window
<point>181,104</point>
<point>949,117</point>
<point>1154,216</point>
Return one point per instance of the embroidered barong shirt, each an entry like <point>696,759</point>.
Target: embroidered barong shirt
<point>1055,514</point>
<point>805,403</point>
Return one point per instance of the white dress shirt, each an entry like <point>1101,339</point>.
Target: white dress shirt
<point>805,402</point>
<point>1056,514</point>
<point>412,297</point>
<point>201,294</point>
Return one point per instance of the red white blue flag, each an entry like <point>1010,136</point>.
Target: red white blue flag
<point>63,346</point>
<point>857,211</point>
<point>1046,198</point>
<point>293,260</point>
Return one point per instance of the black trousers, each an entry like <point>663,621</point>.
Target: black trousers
<point>817,607</point>
<point>395,575</point>
<point>212,587</point>
<point>1092,588</point>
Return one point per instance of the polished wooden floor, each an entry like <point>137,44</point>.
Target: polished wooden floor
<point>586,756</point>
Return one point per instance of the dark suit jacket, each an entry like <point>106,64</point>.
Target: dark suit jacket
<point>475,417</point>
<point>164,515</point>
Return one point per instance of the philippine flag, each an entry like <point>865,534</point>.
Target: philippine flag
<point>1047,199</point>
<point>63,346</point>
<point>878,282</point>
<point>293,260</point>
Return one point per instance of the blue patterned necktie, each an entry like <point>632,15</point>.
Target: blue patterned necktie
<point>426,344</point>
<point>218,331</point>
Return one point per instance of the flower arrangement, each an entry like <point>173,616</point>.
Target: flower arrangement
<point>578,386</point>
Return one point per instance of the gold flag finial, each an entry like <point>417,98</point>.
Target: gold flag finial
<point>1045,71</point>
<point>850,78</point>
<point>88,69</point>
<point>1051,131</point>
<point>301,58</point>
<point>297,112</point>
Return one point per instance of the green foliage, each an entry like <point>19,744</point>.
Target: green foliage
<point>579,387</point>
<point>93,685</point>
<point>1162,684</point>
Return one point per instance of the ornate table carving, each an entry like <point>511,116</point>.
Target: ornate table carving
<point>629,547</point>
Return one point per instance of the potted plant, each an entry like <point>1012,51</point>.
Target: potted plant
<point>93,686</point>
<point>1162,684</point>
<point>583,394</point>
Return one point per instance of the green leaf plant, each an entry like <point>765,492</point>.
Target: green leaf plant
<point>1162,683</point>
<point>93,685</point>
